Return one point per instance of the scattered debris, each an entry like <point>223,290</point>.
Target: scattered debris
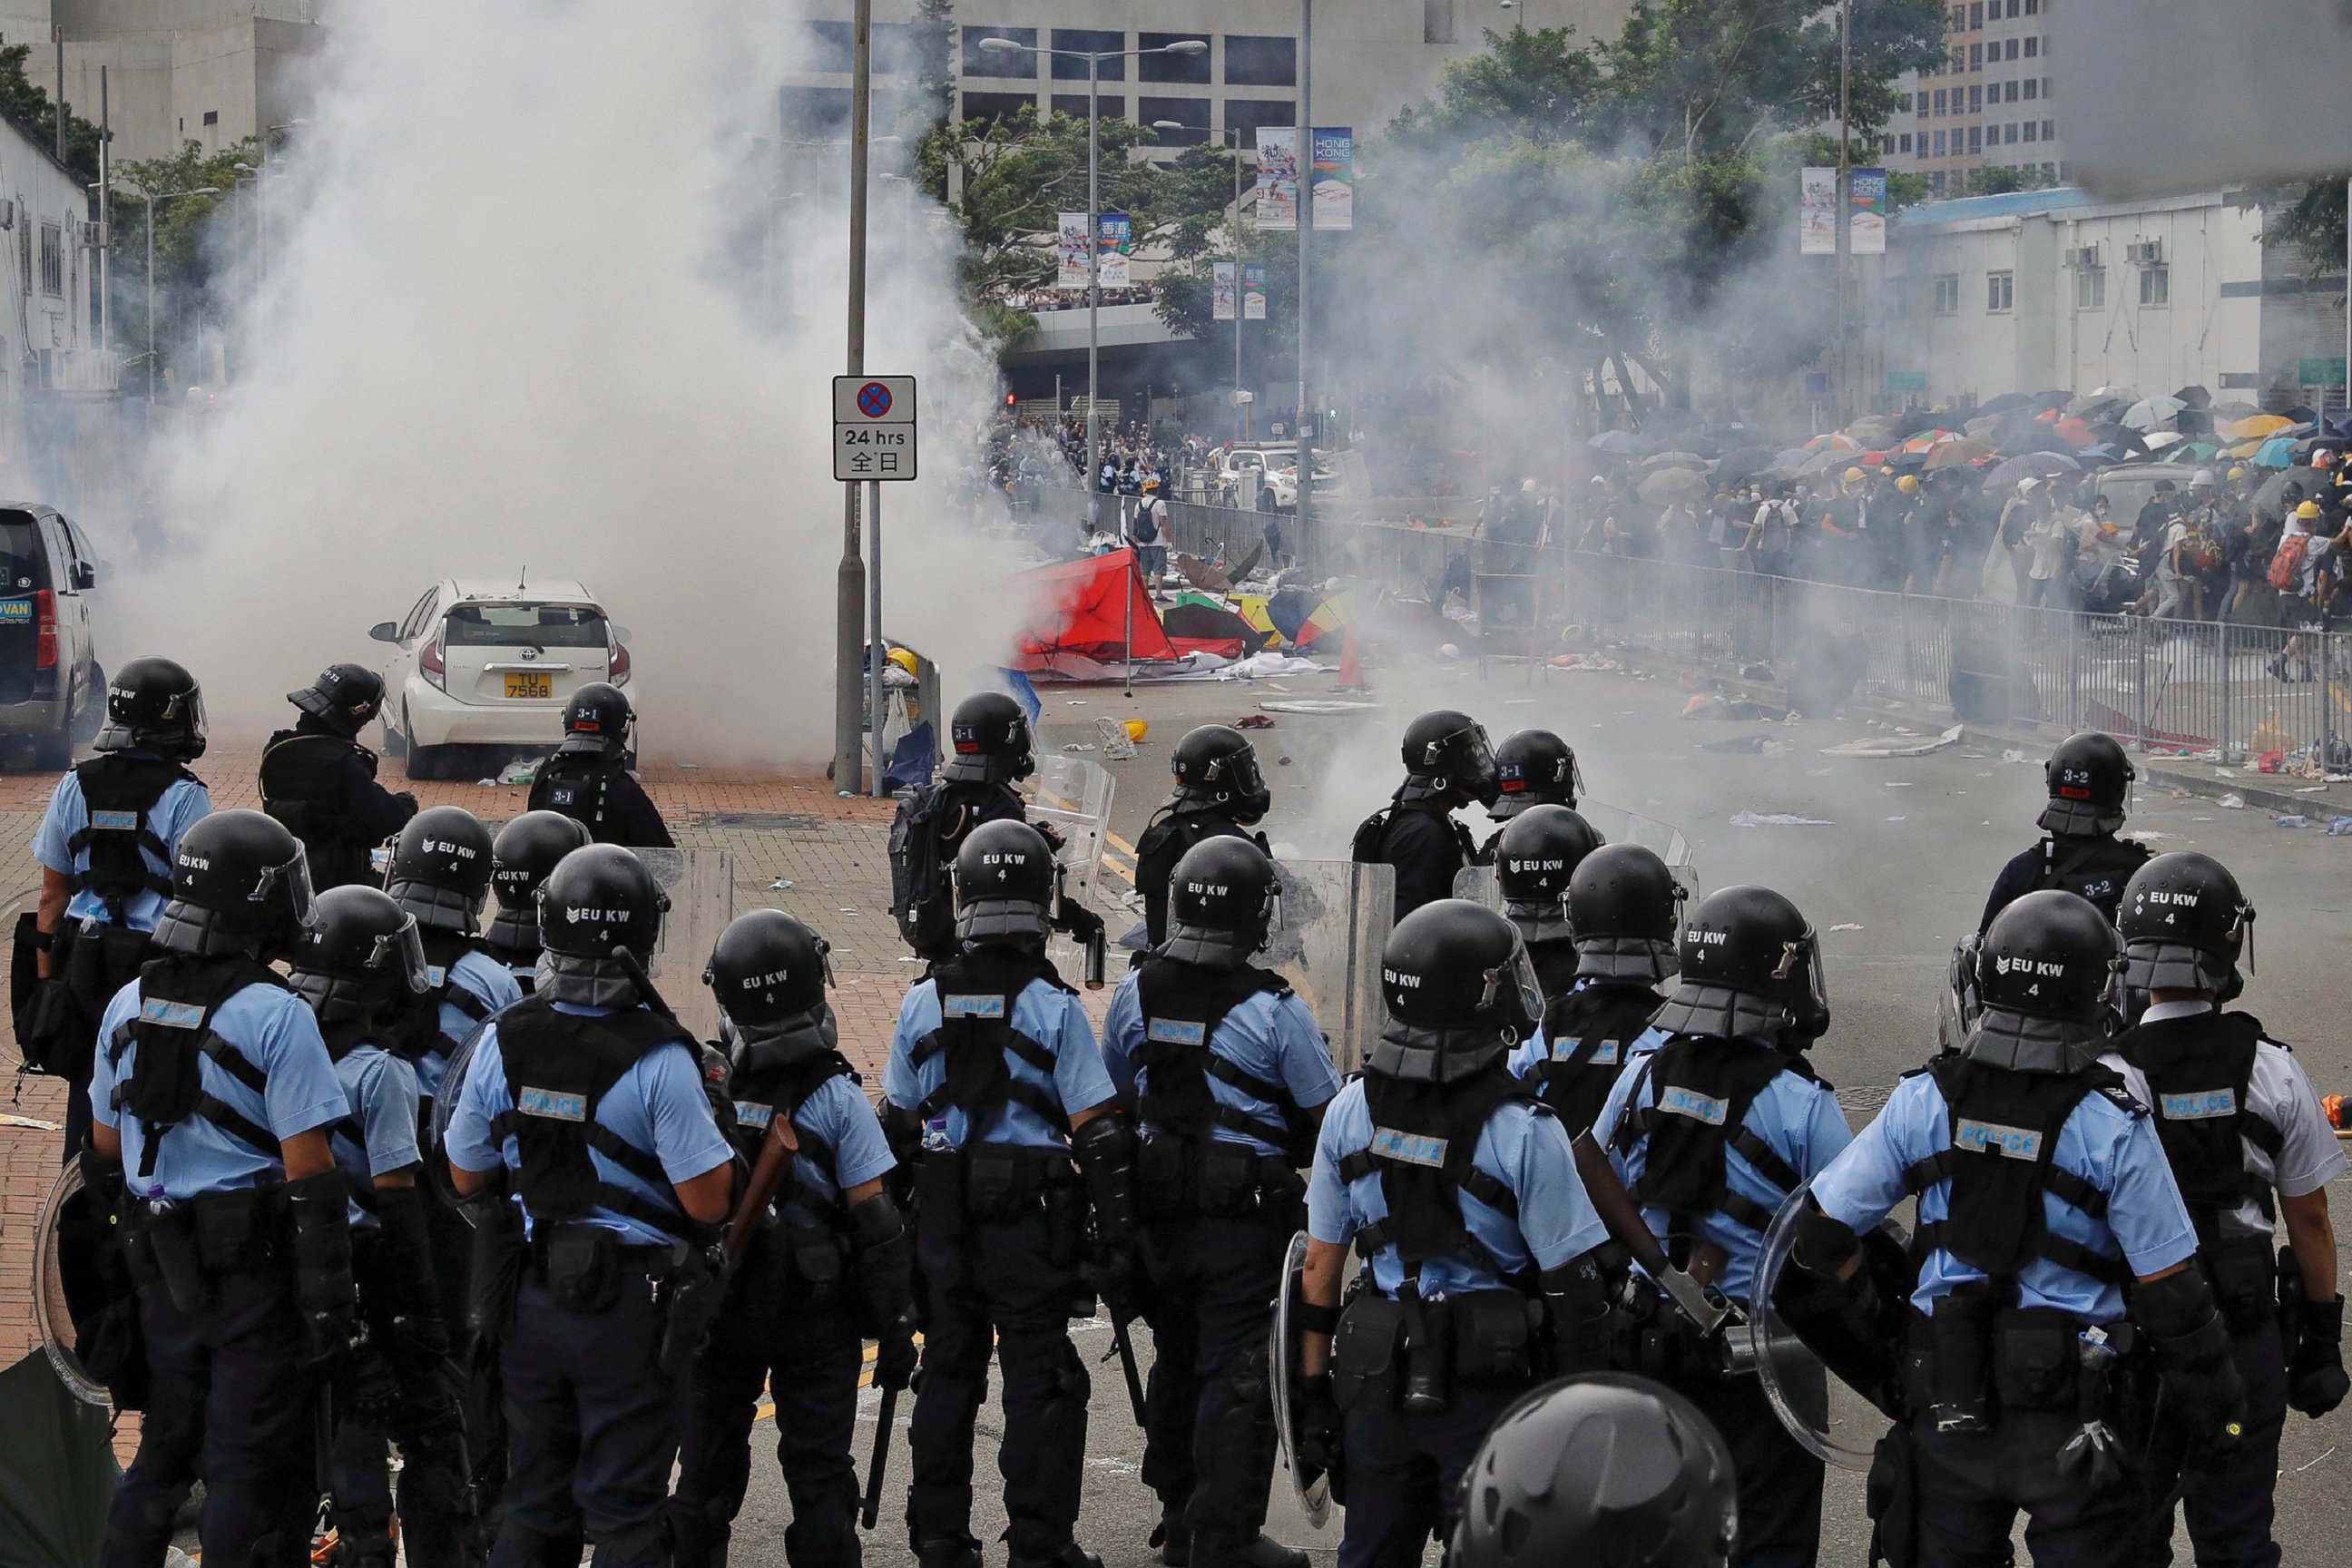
<point>1950,737</point>
<point>1320,705</point>
<point>1254,721</point>
<point>2233,802</point>
<point>1897,783</point>
<point>10,1119</point>
<point>2293,819</point>
<point>1081,746</point>
<point>2013,755</point>
<point>1715,706</point>
<point>1743,744</point>
<point>778,886</point>
<point>1776,819</point>
<point>2180,793</point>
<point>1849,925</point>
<point>2339,826</point>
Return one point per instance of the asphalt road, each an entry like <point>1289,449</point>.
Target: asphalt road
<point>1900,873</point>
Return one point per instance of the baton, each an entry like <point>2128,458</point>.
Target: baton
<point>1123,1347</point>
<point>642,982</point>
<point>881,1460</point>
<point>1623,1217</point>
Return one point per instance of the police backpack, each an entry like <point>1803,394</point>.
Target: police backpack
<point>921,897</point>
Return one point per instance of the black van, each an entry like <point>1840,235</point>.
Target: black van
<point>51,687</point>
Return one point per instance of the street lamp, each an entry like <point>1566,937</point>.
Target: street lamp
<point>151,198</point>
<point>1094,59</point>
<point>1232,137</point>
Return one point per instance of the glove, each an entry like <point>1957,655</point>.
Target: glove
<point>1119,1281</point>
<point>1321,1426</point>
<point>716,1071</point>
<point>2315,1380</point>
<point>894,1354</point>
<point>367,1389</point>
<point>323,1292</point>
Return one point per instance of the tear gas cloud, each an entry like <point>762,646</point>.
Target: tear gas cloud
<point>517,316</point>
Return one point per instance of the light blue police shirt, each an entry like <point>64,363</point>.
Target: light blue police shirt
<point>182,806</point>
<point>2115,1150</point>
<point>1270,1037</point>
<point>658,1105</point>
<point>493,984</point>
<point>836,1111</point>
<point>381,1136</point>
<point>1051,1017</point>
<point>1797,1120</point>
<point>1541,1046</point>
<point>272,1030</point>
<point>1521,1147</point>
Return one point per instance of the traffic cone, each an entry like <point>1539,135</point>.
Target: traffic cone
<point>1351,661</point>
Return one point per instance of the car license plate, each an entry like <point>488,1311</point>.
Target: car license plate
<point>530,683</point>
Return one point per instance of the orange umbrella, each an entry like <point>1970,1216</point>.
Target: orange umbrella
<point>2074,431</point>
<point>1833,441</point>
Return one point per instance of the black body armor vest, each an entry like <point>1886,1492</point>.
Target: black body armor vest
<point>2198,1070</point>
<point>421,1033</point>
<point>1589,1033</point>
<point>304,786</point>
<point>574,783</point>
<point>1703,1087</point>
<point>1163,844</point>
<point>1554,962</point>
<point>1182,1004</point>
<point>2094,869</point>
<point>977,992</point>
<point>119,793</point>
<point>1425,1136</point>
<point>178,995</point>
<point>762,1090</point>
<point>558,1067</point>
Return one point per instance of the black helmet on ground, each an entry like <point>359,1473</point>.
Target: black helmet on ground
<point>1534,767</point>
<point>767,968</point>
<point>360,956</point>
<point>988,737</point>
<point>346,698</point>
<point>1751,965</point>
<point>2184,922</point>
<point>1459,989</point>
<point>155,704</point>
<point>597,899</point>
<point>1448,753</point>
<point>239,883</point>
<point>596,721</point>
<point>1605,1468</point>
<point>441,869</point>
<point>1005,881</point>
<point>2044,972</point>
<point>1539,851</point>
<point>1626,909</point>
<point>526,850</point>
<point>1221,902</point>
<point>1217,766</point>
<point>2090,782</point>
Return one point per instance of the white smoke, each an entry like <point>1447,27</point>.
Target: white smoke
<point>513,319</point>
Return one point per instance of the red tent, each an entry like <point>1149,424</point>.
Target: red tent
<point>1083,607</point>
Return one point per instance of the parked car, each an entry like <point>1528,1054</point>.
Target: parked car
<point>480,663</point>
<point>2127,486</point>
<point>51,687</point>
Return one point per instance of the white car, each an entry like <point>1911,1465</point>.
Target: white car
<point>483,663</point>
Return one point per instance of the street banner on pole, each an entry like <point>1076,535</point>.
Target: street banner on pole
<point>1866,212</point>
<point>1335,176</point>
<point>1222,287</point>
<point>1252,291</point>
<point>1277,176</point>
<point>1117,238</point>
<point>1817,212</point>
<point>1070,252</point>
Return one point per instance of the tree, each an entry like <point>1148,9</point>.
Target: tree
<point>31,109</point>
<point>185,246</point>
<point>2309,216</point>
<point>933,35</point>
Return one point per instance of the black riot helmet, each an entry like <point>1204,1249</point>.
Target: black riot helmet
<point>155,704</point>
<point>1006,880</point>
<point>768,967</point>
<point>239,883</point>
<point>1751,965</point>
<point>1459,989</point>
<point>1221,901</point>
<point>2184,922</point>
<point>346,698</point>
<point>596,721</point>
<point>526,850</point>
<point>1539,851</point>
<point>2090,782</point>
<point>599,897</point>
<point>1446,752</point>
<point>360,956</point>
<point>989,741</point>
<point>1217,766</point>
<point>1626,909</point>
<point>1534,767</point>
<point>2050,955</point>
<point>441,868</point>
<point>1602,1468</point>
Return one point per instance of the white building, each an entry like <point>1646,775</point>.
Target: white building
<point>1991,104</point>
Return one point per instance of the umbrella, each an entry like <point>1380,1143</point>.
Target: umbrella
<point>2074,432</point>
<point>2098,410</point>
<point>2193,421</point>
<point>2275,453</point>
<point>2157,440</point>
<point>1952,454</point>
<point>2096,393</point>
<point>56,1468</point>
<point>1738,464</point>
<point>2028,466</point>
<point>2272,497</point>
<point>1828,460</point>
<point>1670,487</point>
<point>1833,441</point>
<point>1872,432</point>
<point>2005,401</point>
<point>1622,444</point>
<point>1673,460</point>
<point>2237,408</point>
<point>2150,412</point>
<point>2194,396</point>
<point>1792,459</point>
<point>2254,425</point>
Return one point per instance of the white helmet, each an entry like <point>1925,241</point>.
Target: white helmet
<point>2202,480</point>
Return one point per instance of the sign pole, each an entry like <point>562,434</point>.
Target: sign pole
<point>876,650</point>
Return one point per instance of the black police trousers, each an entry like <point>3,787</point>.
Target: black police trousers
<point>2228,1498</point>
<point>592,1428</point>
<point>1972,1485</point>
<point>771,1337</point>
<point>1404,1476</point>
<point>984,1277</point>
<point>435,1527</point>
<point>230,1401</point>
<point>1209,1409</point>
<point>1780,1482</point>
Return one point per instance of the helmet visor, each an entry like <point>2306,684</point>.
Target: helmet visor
<point>1514,997</point>
<point>289,887</point>
<point>1477,775</point>
<point>191,707</point>
<point>1238,774</point>
<point>401,954</point>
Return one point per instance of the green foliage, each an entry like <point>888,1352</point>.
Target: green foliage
<point>933,31</point>
<point>187,238</point>
<point>2310,217</point>
<point>30,107</point>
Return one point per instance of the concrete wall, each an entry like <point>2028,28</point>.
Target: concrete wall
<point>170,64</point>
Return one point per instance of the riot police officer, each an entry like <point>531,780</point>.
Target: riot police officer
<point>1532,767</point>
<point>2043,1198</point>
<point>1625,908</point>
<point>440,873</point>
<point>588,778</point>
<point>996,1077</point>
<point>1535,854</point>
<point>359,965</point>
<point>589,1102</point>
<point>106,845</point>
<point>213,1094</point>
<point>319,781</point>
<point>525,850</point>
<point>1459,1191</point>
<point>1220,789</point>
<point>836,1261</point>
<point>1712,1132</point>
<point>2090,782</point>
<point>1230,1078</point>
<point>1448,763</point>
<point>2250,1147</point>
<point>1606,1468</point>
<point>991,753</point>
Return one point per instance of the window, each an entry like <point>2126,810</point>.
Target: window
<point>526,625</point>
<point>1261,62</point>
<point>417,615</point>
<point>1192,113</point>
<point>212,116</point>
<point>1936,183</point>
<point>2050,170</point>
<point>2032,88</point>
<point>1947,285</point>
<point>2091,288</point>
<point>2032,48</point>
<point>1976,57</point>
<point>1959,59</point>
<point>1437,21</point>
<point>2050,130</point>
<point>2030,129</point>
<point>2049,88</point>
<point>1939,143</point>
<point>1923,104</point>
<point>1905,143</point>
<point>1192,68</point>
<point>2009,92</point>
<point>1108,105</point>
<point>1976,140</point>
<point>2033,7</point>
<point>894,51</point>
<point>1998,292</point>
<point>1976,100</point>
<point>2008,50</point>
<point>826,47</point>
<point>2012,7</point>
<point>53,260</point>
<point>813,113</point>
<point>1246,116</point>
<point>1976,15</point>
<point>1959,17</point>
<point>2008,132</point>
<point>983,106</point>
<point>978,61</point>
<point>1089,41</point>
<point>1939,99</point>
<point>2156,286</point>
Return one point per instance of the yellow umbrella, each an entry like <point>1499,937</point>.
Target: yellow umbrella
<point>2253,425</point>
<point>2244,449</point>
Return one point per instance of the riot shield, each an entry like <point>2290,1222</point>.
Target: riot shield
<point>1326,940</point>
<point>1827,1415</point>
<point>1664,840</point>
<point>700,884</point>
<point>1314,1491</point>
<point>66,1287</point>
<point>444,1105</point>
<point>1075,796</point>
<point>1957,1008</point>
<point>1477,884</point>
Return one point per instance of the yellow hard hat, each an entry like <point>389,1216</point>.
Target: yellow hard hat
<point>1851,477</point>
<point>2238,473</point>
<point>2309,511</point>
<point>904,657</point>
<point>1907,483</point>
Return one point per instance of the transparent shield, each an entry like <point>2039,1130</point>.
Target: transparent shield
<point>1477,884</point>
<point>56,1284</point>
<point>1314,1492</point>
<point>1832,1421</point>
<point>1618,826</point>
<point>1336,916</point>
<point>444,1105</point>
<point>700,885</point>
<point>1075,796</point>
